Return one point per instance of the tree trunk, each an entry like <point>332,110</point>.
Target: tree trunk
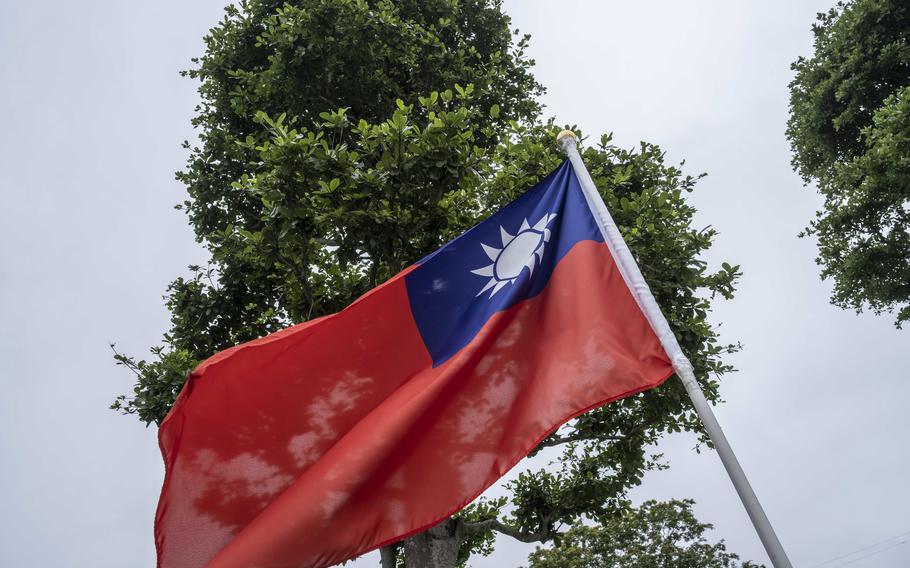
<point>436,547</point>
<point>387,556</point>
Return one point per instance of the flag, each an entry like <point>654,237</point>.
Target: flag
<point>331,438</point>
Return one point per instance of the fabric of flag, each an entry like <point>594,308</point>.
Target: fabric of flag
<point>331,438</point>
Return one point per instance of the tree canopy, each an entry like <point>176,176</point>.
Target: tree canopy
<point>298,62</point>
<point>850,134</point>
<point>307,196</point>
<point>654,534</point>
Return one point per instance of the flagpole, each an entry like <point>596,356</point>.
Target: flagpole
<point>567,141</point>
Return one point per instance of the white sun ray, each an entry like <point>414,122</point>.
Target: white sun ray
<point>484,270</point>
<point>506,237</point>
<point>499,286</point>
<point>492,252</point>
<point>542,224</point>
<point>522,250</point>
<point>490,283</point>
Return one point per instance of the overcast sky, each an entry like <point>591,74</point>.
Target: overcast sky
<point>93,116</point>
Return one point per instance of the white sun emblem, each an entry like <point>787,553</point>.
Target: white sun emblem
<point>523,250</point>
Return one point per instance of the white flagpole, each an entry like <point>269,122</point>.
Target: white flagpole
<point>636,282</point>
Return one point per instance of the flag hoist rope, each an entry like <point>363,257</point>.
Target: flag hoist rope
<point>636,282</point>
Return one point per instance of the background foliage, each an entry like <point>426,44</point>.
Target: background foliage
<point>341,141</point>
<point>653,535</point>
<point>849,129</point>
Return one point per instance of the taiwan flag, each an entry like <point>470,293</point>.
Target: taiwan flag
<point>334,437</point>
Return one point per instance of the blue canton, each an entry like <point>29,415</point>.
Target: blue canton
<point>504,260</point>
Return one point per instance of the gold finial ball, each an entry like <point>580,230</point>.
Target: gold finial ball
<point>565,134</point>
<point>564,139</point>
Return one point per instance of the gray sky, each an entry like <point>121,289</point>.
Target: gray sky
<point>94,113</point>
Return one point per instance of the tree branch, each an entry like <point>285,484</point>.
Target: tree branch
<point>578,437</point>
<point>588,436</point>
<point>494,524</point>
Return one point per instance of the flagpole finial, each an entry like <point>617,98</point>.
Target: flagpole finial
<point>564,138</point>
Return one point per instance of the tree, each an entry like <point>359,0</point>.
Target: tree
<point>300,60</point>
<point>849,133</point>
<point>655,534</point>
<point>306,200</point>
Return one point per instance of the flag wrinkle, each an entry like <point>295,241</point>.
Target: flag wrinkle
<point>422,403</point>
<point>521,455</point>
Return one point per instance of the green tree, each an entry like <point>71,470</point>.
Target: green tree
<point>657,534</point>
<point>305,201</point>
<point>296,62</point>
<point>850,134</point>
